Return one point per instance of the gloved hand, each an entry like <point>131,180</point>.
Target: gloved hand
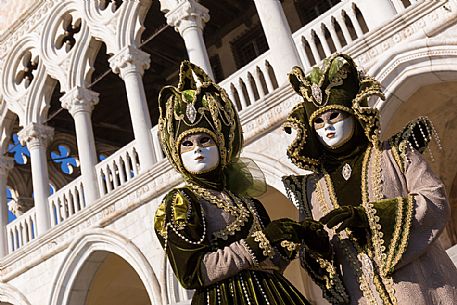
<point>316,239</point>
<point>263,243</point>
<point>349,216</point>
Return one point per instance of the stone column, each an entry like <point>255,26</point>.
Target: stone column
<point>376,12</point>
<point>6,164</point>
<point>37,138</point>
<point>279,37</point>
<point>130,64</point>
<point>80,102</point>
<point>189,18</point>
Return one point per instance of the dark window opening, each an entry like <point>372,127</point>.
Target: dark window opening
<point>249,46</point>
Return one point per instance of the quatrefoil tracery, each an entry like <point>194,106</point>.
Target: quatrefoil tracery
<point>70,29</point>
<point>115,4</point>
<point>27,73</point>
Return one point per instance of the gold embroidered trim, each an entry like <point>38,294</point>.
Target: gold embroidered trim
<point>384,284</point>
<point>406,229</point>
<point>264,244</point>
<point>294,151</point>
<point>362,278</point>
<point>388,264</point>
<point>326,108</point>
<point>289,245</point>
<point>232,205</point>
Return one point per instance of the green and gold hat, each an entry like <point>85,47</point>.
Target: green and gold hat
<point>193,108</point>
<point>338,85</point>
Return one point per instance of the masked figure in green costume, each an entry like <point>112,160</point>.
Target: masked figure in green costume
<point>218,239</point>
<point>382,205</point>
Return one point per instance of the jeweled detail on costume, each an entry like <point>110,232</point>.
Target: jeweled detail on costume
<point>346,171</point>
<point>191,112</point>
<point>317,93</point>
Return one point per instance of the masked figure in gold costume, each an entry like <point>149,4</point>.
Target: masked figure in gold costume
<point>383,206</point>
<point>218,239</point>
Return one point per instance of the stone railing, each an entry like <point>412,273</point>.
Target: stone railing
<point>251,83</point>
<point>67,201</point>
<point>330,33</point>
<point>22,230</point>
<point>117,169</point>
<point>156,142</point>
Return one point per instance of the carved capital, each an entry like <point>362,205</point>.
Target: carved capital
<point>35,135</point>
<point>186,15</point>
<point>79,99</point>
<point>6,164</point>
<point>129,59</point>
<point>21,205</point>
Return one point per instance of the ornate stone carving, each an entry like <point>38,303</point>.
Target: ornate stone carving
<point>79,99</point>
<point>20,205</point>
<point>130,59</point>
<point>35,135</point>
<point>187,14</point>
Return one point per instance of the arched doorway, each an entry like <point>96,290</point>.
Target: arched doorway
<point>107,279</point>
<point>103,267</point>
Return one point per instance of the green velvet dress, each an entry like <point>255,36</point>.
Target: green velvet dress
<point>217,264</point>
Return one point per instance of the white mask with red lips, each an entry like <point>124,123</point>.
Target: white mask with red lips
<point>334,128</point>
<point>199,153</point>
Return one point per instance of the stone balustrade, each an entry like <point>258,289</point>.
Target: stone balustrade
<point>251,83</point>
<point>22,230</point>
<point>68,201</point>
<point>118,169</point>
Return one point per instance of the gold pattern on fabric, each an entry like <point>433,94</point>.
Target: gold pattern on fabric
<point>289,245</point>
<point>383,283</point>
<point>180,208</point>
<point>160,223</point>
<point>264,244</point>
<point>345,236</point>
<point>231,204</point>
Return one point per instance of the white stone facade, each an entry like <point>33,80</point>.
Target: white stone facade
<point>95,235</point>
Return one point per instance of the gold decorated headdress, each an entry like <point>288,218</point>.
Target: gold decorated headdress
<point>191,108</point>
<point>337,85</point>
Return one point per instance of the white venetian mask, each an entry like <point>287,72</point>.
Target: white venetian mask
<point>334,128</point>
<point>199,153</point>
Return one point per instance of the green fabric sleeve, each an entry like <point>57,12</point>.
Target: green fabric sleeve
<point>180,227</point>
<point>390,227</point>
<point>324,273</point>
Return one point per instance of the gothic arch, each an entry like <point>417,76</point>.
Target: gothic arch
<point>101,240</point>
<point>411,66</point>
<point>11,295</point>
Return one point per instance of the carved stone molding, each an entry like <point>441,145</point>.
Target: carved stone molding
<point>130,59</point>
<point>188,14</point>
<point>6,164</point>
<point>79,99</point>
<point>35,135</point>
